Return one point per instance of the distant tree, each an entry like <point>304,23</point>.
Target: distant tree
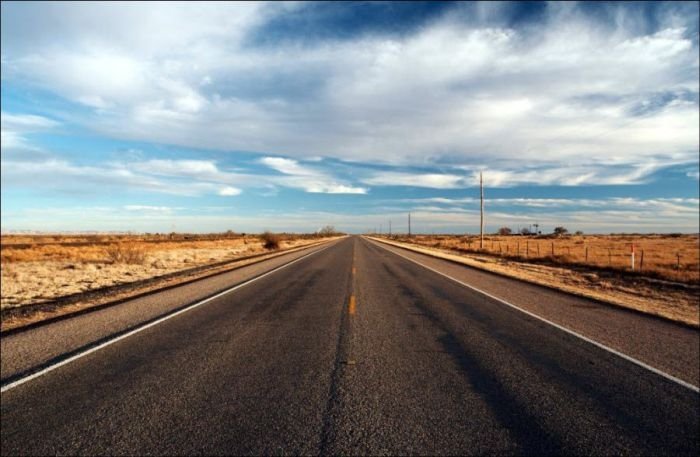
<point>578,233</point>
<point>328,230</point>
<point>560,231</point>
<point>525,231</point>
<point>505,231</point>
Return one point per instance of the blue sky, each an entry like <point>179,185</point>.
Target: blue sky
<point>290,116</point>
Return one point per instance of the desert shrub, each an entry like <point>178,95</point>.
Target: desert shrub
<point>129,253</point>
<point>560,231</point>
<point>505,231</point>
<point>328,230</point>
<point>270,240</point>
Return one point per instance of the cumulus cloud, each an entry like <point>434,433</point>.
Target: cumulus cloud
<point>454,91</point>
<point>569,99</point>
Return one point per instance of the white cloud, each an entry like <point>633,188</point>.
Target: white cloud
<point>452,91</point>
<point>287,166</point>
<point>423,221</point>
<point>14,132</point>
<point>312,180</point>
<point>149,209</point>
<point>25,122</point>
<point>679,205</point>
<point>432,180</point>
<point>547,175</point>
<point>167,167</point>
<point>229,191</point>
<point>183,177</point>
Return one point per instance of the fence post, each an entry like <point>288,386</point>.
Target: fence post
<point>527,248</point>
<point>518,248</point>
<point>641,261</point>
<point>538,249</point>
<point>632,256</point>
<point>552,248</point>
<point>586,254</point>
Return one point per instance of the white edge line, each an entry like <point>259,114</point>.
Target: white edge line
<point>75,357</point>
<point>564,329</point>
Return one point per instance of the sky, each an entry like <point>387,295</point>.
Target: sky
<point>206,117</point>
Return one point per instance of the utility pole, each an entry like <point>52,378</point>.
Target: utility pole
<point>481,185</point>
<point>409,225</point>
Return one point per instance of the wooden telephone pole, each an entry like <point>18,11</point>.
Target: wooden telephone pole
<point>481,185</point>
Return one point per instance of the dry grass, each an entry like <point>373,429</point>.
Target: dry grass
<point>675,297</point>
<point>668,257</point>
<point>130,253</point>
<point>36,269</point>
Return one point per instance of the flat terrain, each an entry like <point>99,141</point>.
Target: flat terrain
<point>39,269</point>
<point>596,266</point>
<point>355,349</point>
<point>674,257</point>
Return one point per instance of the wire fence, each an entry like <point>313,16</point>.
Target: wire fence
<point>677,260</point>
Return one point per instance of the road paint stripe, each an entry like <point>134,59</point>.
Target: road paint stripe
<point>354,270</point>
<point>351,305</point>
<point>80,355</point>
<point>564,329</point>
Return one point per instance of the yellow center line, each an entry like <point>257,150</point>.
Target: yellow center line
<point>351,305</point>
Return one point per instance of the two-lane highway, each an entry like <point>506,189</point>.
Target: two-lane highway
<point>351,350</point>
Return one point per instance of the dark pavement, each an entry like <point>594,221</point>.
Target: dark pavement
<point>352,350</point>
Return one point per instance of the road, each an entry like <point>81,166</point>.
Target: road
<point>351,350</point>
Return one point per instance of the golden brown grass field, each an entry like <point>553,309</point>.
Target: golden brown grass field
<point>670,257</point>
<point>39,269</point>
<point>665,280</point>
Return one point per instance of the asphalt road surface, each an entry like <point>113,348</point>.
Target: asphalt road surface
<point>351,350</point>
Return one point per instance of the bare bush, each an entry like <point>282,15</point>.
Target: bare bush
<point>560,231</point>
<point>328,230</point>
<point>270,240</point>
<point>128,253</point>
